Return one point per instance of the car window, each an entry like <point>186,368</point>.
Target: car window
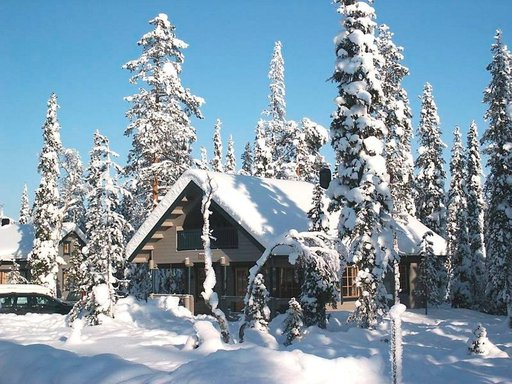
<point>6,302</point>
<point>42,300</point>
<point>22,301</point>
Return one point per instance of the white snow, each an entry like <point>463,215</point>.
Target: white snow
<point>268,209</point>
<point>144,343</point>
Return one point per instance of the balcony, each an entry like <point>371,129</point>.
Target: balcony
<point>223,238</point>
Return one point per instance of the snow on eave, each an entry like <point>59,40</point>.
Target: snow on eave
<point>264,208</point>
<point>410,233</point>
<point>69,227</point>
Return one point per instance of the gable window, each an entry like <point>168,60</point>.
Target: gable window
<point>348,282</point>
<point>66,248</point>
<point>222,238</point>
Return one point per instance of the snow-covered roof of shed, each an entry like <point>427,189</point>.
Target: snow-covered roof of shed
<point>16,240</point>
<point>266,209</point>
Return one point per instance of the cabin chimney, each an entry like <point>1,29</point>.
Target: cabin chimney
<point>325,177</point>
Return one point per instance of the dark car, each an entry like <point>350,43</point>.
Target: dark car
<point>23,303</point>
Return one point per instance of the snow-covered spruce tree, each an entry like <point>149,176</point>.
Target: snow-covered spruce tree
<point>230,166</point>
<point>310,138</point>
<point>44,259</point>
<point>25,215</point>
<point>258,312</point>
<point>458,244</point>
<point>209,295</point>
<point>140,284</point>
<point>246,161</point>
<point>479,344</point>
<point>262,165</point>
<point>76,268</point>
<point>105,229</point>
<point>216,161</point>
<point>14,276</point>
<point>430,280</point>
<point>160,116</point>
<point>73,187</point>
<point>203,163</point>
<point>497,140</point>
<point>397,116</point>
<point>318,219</point>
<point>475,215</point>
<point>361,186</point>
<point>293,322</point>
<point>431,176</point>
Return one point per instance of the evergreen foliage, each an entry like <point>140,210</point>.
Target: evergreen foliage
<point>76,274</point>
<point>203,163</point>
<point>25,215</point>
<point>293,323</point>
<point>230,166</point>
<point>160,117</point>
<point>318,220</point>
<point>397,117</point>
<point>361,186</point>
<point>44,259</point>
<point>258,312</point>
<point>460,264</point>
<point>430,280</point>
<point>140,284</point>
<point>247,161</point>
<point>431,176</point>
<point>14,276</point>
<point>479,344</point>
<point>475,216</point>
<point>262,165</point>
<point>105,228</point>
<point>216,162</point>
<point>497,140</point>
<point>73,188</point>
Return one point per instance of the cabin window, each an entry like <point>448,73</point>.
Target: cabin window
<point>404,278</point>
<point>222,238</point>
<point>66,248</point>
<point>348,282</point>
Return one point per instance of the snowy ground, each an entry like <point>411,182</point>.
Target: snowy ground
<point>146,343</point>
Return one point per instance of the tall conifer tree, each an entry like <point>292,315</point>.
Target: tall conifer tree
<point>44,259</point>
<point>431,176</point>
<point>497,140</point>
<point>361,186</point>
<point>230,166</point>
<point>216,161</point>
<point>160,117</point>
<point>25,207</point>
<point>475,215</point>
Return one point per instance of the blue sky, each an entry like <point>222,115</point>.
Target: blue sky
<point>77,48</point>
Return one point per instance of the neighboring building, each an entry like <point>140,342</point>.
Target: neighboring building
<point>248,214</point>
<point>16,241</point>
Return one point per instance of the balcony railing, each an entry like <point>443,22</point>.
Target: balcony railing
<point>222,238</point>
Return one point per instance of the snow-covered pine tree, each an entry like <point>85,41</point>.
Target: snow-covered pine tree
<point>361,186</point>
<point>25,214</point>
<point>479,344</point>
<point>203,163</point>
<point>246,161</point>
<point>310,138</point>
<point>293,322</point>
<point>76,268</point>
<point>105,228</point>
<point>431,176</point>
<point>275,128</point>
<point>262,165</point>
<point>498,139</point>
<point>459,264</point>
<point>140,284</point>
<point>44,259</point>
<point>475,215</point>
<point>258,312</point>
<point>14,275</point>
<point>73,187</point>
<point>230,166</point>
<point>430,275</point>
<point>318,219</point>
<point>397,117</point>
<point>216,161</point>
<point>160,116</point>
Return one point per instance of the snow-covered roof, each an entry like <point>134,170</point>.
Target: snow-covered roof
<point>16,240</point>
<point>265,208</point>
